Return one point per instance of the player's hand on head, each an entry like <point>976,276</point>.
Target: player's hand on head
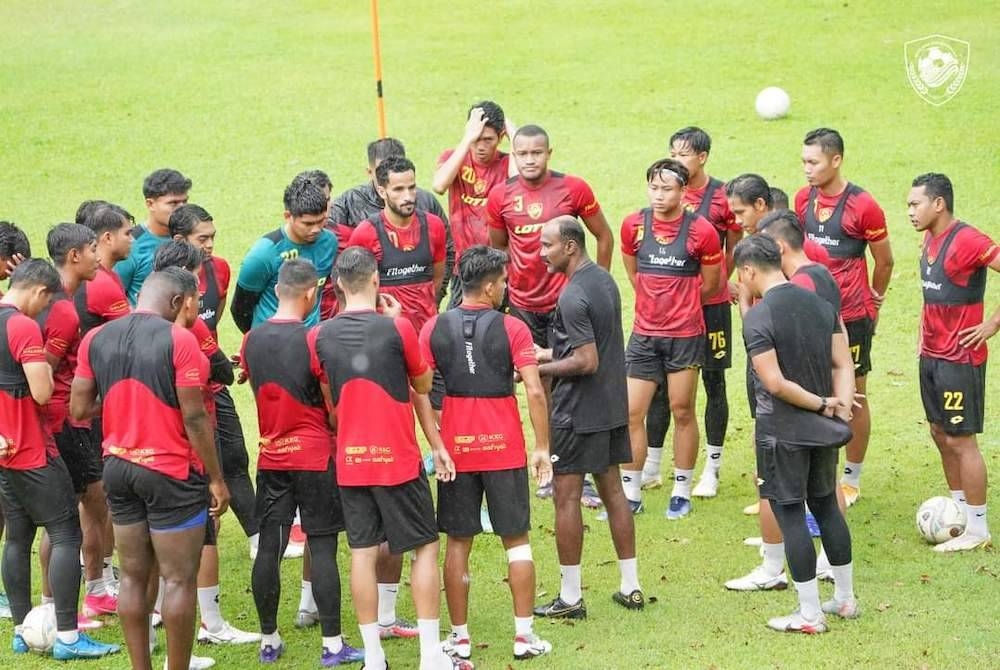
<point>444,467</point>
<point>541,466</point>
<point>474,126</point>
<point>976,336</point>
<point>389,305</point>
<point>219,493</point>
<point>14,261</point>
<point>510,128</point>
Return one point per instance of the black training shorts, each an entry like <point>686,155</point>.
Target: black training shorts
<point>789,474</point>
<point>44,495</point>
<point>953,394</point>
<point>314,493</point>
<point>81,454</point>
<point>137,494</point>
<point>594,453</point>
<point>718,336</point>
<point>539,323</point>
<point>402,515</point>
<point>507,499</point>
<point>859,338</point>
<point>651,358</point>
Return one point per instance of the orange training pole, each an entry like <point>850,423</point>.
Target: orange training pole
<point>376,48</point>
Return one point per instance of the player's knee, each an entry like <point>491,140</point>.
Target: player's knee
<point>65,533</point>
<point>683,412</point>
<point>521,552</point>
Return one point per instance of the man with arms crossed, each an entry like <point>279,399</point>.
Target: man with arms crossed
<point>802,377</point>
<point>953,334</point>
<point>589,414</point>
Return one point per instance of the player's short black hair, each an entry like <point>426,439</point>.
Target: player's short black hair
<point>694,137</point>
<point>748,187</point>
<point>480,264</point>
<point>186,218</point>
<point>296,276</point>
<point>570,230</point>
<point>393,165</point>
<point>937,185</point>
<point>387,147</point>
<point>163,182</point>
<point>64,238</point>
<point>760,251</point>
<point>108,217</point>
<point>670,167</point>
<point>316,176</point>
<point>355,267</point>
<point>828,139</point>
<point>531,130</point>
<point>304,196</point>
<point>493,113</point>
<point>177,254</point>
<point>180,280</point>
<point>86,209</point>
<point>783,225</point>
<point>779,199</point>
<point>13,241</point>
<point>36,272</point>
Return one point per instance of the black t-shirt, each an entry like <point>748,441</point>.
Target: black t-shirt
<point>798,326</point>
<point>590,310</point>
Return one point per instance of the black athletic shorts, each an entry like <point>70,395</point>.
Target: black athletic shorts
<point>401,515</point>
<point>954,395</point>
<point>81,454</point>
<point>859,337</point>
<point>43,495</point>
<point>583,453</point>
<point>507,499</point>
<point>314,493</point>
<point>650,358</point>
<point>789,474</point>
<point>137,494</point>
<point>539,323</point>
<point>718,336</point>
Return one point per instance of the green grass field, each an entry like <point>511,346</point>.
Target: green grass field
<point>241,96</point>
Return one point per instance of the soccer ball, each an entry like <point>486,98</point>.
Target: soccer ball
<point>939,519</point>
<point>39,628</point>
<point>772,103</point>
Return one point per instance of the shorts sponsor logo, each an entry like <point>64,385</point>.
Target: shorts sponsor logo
<point>955,420</point>
<point>554,458</point>
<point>936,66</point>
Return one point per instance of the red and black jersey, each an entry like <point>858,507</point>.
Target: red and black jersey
<point>476,350</point>
<point>522,209</point>
<point>467,198</point>
<point>669,256</point>
<point>368,360</point>
<point>953,269</point>
<point>816,278</point>
<point>100,300</point>
<point>213,285</point>
<point>406,260</point>
<point>710,203</point>
<point>138,362</point>
<point>844,224</point>
<point>23,438</point>
<point>60,326</point>
<point>209,346</point>
<point>294,432</point>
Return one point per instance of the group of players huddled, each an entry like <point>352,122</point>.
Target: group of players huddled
<point>117,413</point>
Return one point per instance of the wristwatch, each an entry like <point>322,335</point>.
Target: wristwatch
<point>822,407</point>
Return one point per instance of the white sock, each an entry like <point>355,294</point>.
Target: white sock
<point>97,587</point>
<point>387,595</point>
<point>524,626</point>
<point>570,589</point>
<point>959,497</point>
<point>47,600</point>
<point>152,634</point>
<point>68,636</point>
<point>852,474</point>
<point>374,654</point>
<point>682,483</point>
<point>652,466</point>
<point>461,632</point>
<point>843,582</point>
<point>629,569</point>
<point>822,562</point>
<point>273,639</point>
<point>430,637</point>
<point>975,520</point>
<point>109,570</point>
<point>333,644</point>
<point>632,483</point>
<point>306,601</point>
<point>714,458</point>
<point>254,540</point>
<point>208,603</point>
<point>774,558</point>
<point>809,599</point>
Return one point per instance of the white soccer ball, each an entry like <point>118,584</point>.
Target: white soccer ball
<point>772,103</point>
<point>939,519</point>
<point>39,628</point>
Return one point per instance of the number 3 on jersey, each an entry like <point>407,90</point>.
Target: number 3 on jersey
<point>717,343</point>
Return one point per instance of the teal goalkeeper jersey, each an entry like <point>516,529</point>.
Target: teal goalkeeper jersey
<point>259,272</point>
<point>139,264</point>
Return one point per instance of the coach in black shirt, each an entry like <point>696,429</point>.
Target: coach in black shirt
<point>803,379</point>
<point>589,422</point>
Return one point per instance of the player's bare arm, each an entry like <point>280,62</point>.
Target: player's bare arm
<point>448,170</point>
<point>84,401</point>
<point>977,335</point>
<point>582,361</point>
<point>732,238</point>
<point>882,272</point>
<point>711,280</point>
<point>444,468</point>
<point>538,413</point>
<point>766,366</point>
<point>438,276</point>
<point>39,376</point>
<point>843,377</point>
<point>598,226</point>
<point>499,238</point>
<point>198,427</point>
